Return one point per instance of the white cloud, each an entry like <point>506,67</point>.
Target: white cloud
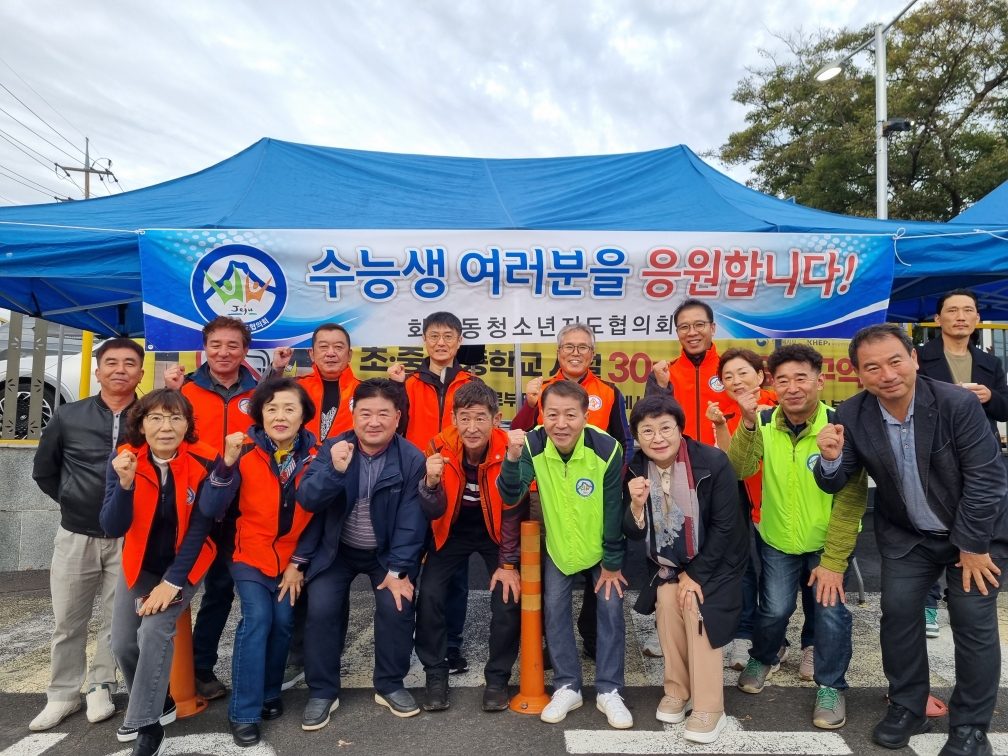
<point>165,89</point>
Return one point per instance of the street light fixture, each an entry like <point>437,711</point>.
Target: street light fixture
<point>883,127</point>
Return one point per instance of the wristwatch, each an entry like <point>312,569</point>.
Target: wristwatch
<point>397,575</point>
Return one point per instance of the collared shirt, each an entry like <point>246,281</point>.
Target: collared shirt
<point>358,531</point>
<point>225,392</point>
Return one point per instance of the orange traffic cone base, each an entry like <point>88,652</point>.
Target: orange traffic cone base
<point>182,683</point>
<point>529,704</point>
<point>191,707</point>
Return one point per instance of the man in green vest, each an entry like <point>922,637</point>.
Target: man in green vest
<point>579,471</point>
<point>801,527</point>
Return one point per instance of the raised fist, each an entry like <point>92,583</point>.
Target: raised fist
<point>533,391</point>
<point>125,466</point>
<point>341,454</point>
<point>714,413</point>
<point>661,372</point>
<point>397,372</point>
<point>516,442</point>
<point>640,489</point>
<point>435,469</point>
<point>232,447</point>
<point>282,357</point>
<point>830,441</point>
<point>174,376</point>
<point>748,405</point>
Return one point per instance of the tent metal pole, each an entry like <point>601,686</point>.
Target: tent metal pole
<point>519,396</point>
<point>87,341</point>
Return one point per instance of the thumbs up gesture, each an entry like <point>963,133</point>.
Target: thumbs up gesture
<point>435,469</point>
<point>516,442</point>
<point>341,454</point>
<point>125,466</point>
<point>830,441</point>
<point>232,447</point>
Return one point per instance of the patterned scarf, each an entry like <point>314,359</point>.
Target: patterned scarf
<point>675,517</point>
<point>286,459</point>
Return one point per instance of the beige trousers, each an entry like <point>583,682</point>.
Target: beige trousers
<point>692,668</point>
<point>81,567</point>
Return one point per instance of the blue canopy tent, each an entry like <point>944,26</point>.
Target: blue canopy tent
<point>78,263</point>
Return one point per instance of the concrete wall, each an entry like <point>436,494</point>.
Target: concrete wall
<point>28,518</point>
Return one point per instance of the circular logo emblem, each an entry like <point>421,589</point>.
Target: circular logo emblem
<point>715,383</point>
<point>351,404</point>
<point>243,405</point>
<point>240,281</point>
<point>810,462</point>
<point>594,403</point>
<point>190,496</point>
<point>584,487</point>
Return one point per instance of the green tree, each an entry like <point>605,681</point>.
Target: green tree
<point>947,70</point>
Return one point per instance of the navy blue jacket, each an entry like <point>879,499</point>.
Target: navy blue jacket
<point>396,515</point>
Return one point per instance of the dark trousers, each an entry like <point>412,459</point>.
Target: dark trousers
<point>750,600</point>
<point>973,616</point>
<point>457,604</point>
<point>328,599</point>
<point>435,587</point>
<point>215,608</point>
<point>933,597</point>
<point>295,657</point>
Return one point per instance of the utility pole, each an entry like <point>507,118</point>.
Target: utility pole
<point>87,170</point>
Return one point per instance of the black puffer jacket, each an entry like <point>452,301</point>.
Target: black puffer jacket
<point>71,460</point>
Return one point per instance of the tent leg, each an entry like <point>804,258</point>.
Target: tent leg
<point>87,341</point>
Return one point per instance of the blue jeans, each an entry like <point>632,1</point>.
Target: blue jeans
<point>559,616</point>
<point>777,602</point>
<point>750,601</point>
<point>456,605</point>
<point>260,650</point>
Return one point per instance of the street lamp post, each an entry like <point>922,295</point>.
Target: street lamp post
<point>882,125</point>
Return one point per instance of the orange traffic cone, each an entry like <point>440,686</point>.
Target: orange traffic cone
<point>183,673</point>
<point>531,698</point>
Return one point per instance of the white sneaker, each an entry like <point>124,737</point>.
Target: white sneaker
<point>563,701</point>
<point>54,713</point>
<point>611,704</point>
<point>99,704</point>
<point>739,654</point>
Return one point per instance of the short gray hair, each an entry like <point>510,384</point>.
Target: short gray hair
<point>571,328</point>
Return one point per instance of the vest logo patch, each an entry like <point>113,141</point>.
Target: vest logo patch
<point>190,497</point>
<point>715,383</point>
<point>810,462</point>
<point>351,404</point>
<point>584,487</point>
<point>243,405</point>
<point>594,403</point>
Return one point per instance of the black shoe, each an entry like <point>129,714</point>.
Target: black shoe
<point>127,734</point>
<point>208,686</point>
<point>496,697</point>
<point>400,703</point>
<point>316,713</point>
<point>456,662</point>
<point>435,695</point>
<point>967,741</point>
<point>272,709</point>
<point>899,725</point>
<point>245,734</point>
<point>150,741</point>
<point>589,647</point>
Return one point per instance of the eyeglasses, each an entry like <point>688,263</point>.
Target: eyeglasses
<point>648,434</point>
<point>157,420</point>
<point>448,338</point>
<point>576,348</point>
<point>700,325</point>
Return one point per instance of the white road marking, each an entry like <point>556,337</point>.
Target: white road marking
<point>733,740</point>
<point>34,745</point>
<point>211,744</point>
<point>931,744</point>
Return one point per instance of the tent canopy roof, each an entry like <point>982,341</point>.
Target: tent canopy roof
<point>77,263</point>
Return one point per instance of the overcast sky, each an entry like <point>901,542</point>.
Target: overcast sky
<point>165,89</point>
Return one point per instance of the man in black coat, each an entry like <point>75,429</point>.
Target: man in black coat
<point>940,504</point>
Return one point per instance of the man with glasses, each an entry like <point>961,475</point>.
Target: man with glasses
<point>426,407</point>
<point>692,378</point>
<point>606,411</point>
<point>330,385</point>
<point>802,527</point>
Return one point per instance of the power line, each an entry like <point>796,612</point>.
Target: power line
<point>8,199</point>
<point>23,144</point>
<point>4,135</point>
<point>40,191</point>
<point>41,118</point>
<point>37,134</point>
<point>33,181</point>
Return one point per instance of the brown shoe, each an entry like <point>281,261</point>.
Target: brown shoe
<point>672,709</point>
<point>208,686</point>
<point>704,726</point>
